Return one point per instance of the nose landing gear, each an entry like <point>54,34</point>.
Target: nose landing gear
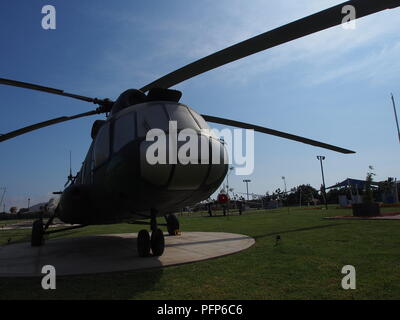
<point>156,242</point>
<point>143,243</point>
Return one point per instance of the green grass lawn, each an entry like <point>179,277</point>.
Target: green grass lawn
<point>7,222</point>
<point>305,265</point>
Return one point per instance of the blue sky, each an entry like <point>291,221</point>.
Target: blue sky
<point>333,86</point>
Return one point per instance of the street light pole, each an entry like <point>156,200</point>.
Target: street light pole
<point>395,116</point>
<point>300,197</point>
<point>286,196</point>
<point>320,158</point>
<point>284,181</point>
<point>247,187</point>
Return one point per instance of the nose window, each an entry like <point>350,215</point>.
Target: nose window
<point>200,120</point>
<point>152,117</point>
<point>124,130</point>
<point>102,145</point>
<point>182,116</point>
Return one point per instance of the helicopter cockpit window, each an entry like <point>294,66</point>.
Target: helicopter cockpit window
<point>124,130</point>
<point>102,145</point>
<point>200,120</point>
<point>182,116</point>
<point>152,117</point>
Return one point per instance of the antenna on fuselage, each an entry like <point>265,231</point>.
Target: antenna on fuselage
<point>70,176</point>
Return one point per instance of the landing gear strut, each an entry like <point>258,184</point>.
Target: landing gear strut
<point>39,229</point>
<point>37,236</point>
<point>155,242</point>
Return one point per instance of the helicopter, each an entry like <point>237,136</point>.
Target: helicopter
<point>117,184</point>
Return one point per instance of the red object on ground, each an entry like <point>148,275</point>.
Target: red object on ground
<point>223,198</point>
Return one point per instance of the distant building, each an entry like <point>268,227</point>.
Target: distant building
<point>385,191</point>
<point>37,207</point>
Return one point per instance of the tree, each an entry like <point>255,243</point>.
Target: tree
<point>332,196</point>
<point>368,195</point>
<point>387,186</point>
<point>387,189</point>
<point>303,193</point>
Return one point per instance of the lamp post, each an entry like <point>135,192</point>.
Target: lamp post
<point>300,196</point>
<point>29,201</point>
<point>395,116</point>
<point>284,181</point>
<point>320,158</point>
<point>247,187</point>
<point>286,196</point>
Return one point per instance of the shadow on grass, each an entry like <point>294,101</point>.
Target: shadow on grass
<point>297,230</point>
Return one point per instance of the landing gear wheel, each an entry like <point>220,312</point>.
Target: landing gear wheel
<point>37,233</point>
<point>172,224</point>
<point>157,242</point>
<point>143,243</point>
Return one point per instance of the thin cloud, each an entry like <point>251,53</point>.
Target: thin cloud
<point>378,67</point>
<point>213,26</point>
<point>323,50</point>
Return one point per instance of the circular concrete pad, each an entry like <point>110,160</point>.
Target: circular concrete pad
<point>114,252</point>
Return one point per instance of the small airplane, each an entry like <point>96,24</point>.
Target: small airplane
<point>116,184</point>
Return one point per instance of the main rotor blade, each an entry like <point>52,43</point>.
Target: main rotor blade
<point>297,29</point>
<point>281,134</point>
<point>43,124</point>
<point>32,86</point>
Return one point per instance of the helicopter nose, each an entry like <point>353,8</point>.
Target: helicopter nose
<point>184,165</point>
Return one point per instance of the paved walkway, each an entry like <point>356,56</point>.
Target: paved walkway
<point>114,252</point>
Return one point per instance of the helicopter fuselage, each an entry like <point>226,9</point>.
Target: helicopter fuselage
<point>118,183</point>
